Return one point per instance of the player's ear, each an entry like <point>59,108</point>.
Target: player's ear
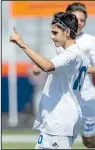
<point>68,32</point>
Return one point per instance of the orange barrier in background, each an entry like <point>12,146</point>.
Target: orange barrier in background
<point>22,68</point>
<point>44,8</point>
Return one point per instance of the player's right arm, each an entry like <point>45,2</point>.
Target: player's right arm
<point>59,60</point>
<point>45,64</point>
<point>58,63</point>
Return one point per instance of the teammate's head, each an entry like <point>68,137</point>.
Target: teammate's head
<point>64,27</point>
<point>79,10</point>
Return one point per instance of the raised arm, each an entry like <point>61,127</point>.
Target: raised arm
<point>45,64</point>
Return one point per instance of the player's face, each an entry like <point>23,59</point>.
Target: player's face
<point>58,36</point>
<point>81,20</point>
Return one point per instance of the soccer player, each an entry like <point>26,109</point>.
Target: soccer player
<point>59,114</point>
<point>86,43</point>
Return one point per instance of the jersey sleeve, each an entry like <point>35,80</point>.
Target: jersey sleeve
<point>92,52</point>
<point>63,61</point>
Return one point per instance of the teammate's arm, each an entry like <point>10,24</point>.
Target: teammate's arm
<point>45,64</point>
<point>91,70</point>
<point>92,58</point>
<point>36,70</point>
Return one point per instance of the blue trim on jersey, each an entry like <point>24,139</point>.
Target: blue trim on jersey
<point>77,82</point>
<point>40,139</point>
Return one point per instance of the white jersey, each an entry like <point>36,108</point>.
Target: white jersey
<point>86,43</point>
<point>60,101</point>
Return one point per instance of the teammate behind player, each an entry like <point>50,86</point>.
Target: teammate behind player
<point>59,111</point>
<point>86,43</point>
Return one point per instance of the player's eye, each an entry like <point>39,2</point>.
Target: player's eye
<point>82,20</point>
<point>54,32</point>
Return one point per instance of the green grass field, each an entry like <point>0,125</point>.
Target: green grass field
<point>31,146</point>
<point>26,145</point>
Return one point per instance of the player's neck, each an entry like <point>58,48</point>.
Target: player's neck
<point>69,43</point>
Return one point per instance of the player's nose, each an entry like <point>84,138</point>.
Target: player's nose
<point>79,23</point>
<point>52,37</point>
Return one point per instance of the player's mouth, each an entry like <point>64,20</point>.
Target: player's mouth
<point>55,42</point>
<point>79,27</point>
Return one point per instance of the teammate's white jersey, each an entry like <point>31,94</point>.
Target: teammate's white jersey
<point>86,43</point>
<point>59,109</point>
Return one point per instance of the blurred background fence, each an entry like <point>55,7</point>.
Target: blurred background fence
<point>21,90</point>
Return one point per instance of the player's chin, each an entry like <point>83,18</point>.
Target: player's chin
<point>57,45</point>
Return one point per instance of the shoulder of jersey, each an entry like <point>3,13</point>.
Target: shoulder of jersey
<point>87,36</point>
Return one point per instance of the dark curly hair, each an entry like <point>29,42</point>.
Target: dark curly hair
<point>66,20</point>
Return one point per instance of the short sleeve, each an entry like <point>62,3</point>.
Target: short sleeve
<point>64,60</point>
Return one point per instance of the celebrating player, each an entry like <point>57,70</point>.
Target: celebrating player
<point>59,113</point>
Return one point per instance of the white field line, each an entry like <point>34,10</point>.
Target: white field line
<point>25,138</point>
